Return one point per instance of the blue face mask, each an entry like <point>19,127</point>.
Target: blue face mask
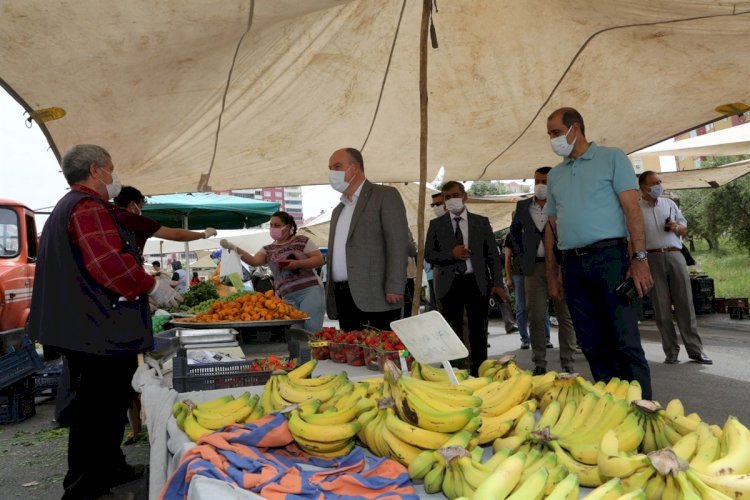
<point>655,191</point>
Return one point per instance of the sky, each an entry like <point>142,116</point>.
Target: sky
<point>31,174</point>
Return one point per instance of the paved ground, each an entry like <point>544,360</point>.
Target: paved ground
<point>32,453</point>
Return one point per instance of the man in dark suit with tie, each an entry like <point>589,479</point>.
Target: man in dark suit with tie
<point>368,244</point>
<point>527,235</point>
<point>462,246</point>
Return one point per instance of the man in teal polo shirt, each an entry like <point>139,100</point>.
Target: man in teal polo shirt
<point>592,203</point>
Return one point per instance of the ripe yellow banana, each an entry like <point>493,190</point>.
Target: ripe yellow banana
<point>655,486</point>
<point>549,416</point>
<point>686,447</point>
<point>524,423</point>
<point>707,452</point>
<point>705,491</point>
<point>638,480</point>
<point>513,391</point>
<point>473,473</point>
<point>622,390</point>
<point>674,409</point>
<point>415,411</point>
<point>304,370</point>
<point>399,450</point>
<point>334,454</point>
<point>193,429</point>
<point>611,490</point>
<point>635,392</point>
<point>512,443</point>
<point>503,479</point>
<point>320,447</point>
<point>182,406</point>
<point>413,435</point>
<point>567,489</point>
<point>493,428</point>
<point>732,485</point>
<point>496,459</point>
<point>556,474</point>
<point>336,417</point>
<point>736,458</point>
<point>227,408</point>
<point>629,433</point>
<point>542,383</point>
<point>614,463</point>
<point>217,421</point>
<point>485,365</point>
<point>180,419</point>
<point>566,415</point>
<point>296,394</point>
<point>547,460</point>
<point>445,401</point>
<point>475,383</point>
<point>588,475</point>
<point>581,416</point>
<point>532,487</point>
<point>612,386</point>
<point>255,414</point>
<point>429,372</point>
<point>213,403</point>
<point>322,433</point>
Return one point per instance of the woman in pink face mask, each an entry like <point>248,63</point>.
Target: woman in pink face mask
<point>292,258</point>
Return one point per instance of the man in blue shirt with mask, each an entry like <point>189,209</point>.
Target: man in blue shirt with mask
<point>593,207</point>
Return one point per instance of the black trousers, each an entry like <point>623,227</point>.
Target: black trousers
<point>353,318</point>
<point>100,395</point>
<point>464,294</point>
<point>409,297</point>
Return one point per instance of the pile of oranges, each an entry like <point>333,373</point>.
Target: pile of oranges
<point>249,307</point>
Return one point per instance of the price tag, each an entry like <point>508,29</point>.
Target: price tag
<point>429,338</point>
<point>319,343</point>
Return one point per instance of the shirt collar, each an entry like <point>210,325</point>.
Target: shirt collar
<point>355,196</point>
<point>587,155</point>
<point>81,187</point>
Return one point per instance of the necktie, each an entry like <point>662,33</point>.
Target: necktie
<point>460,265</point>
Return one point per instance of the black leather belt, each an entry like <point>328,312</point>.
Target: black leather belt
<point>598,245</point>
<point>664,249</point>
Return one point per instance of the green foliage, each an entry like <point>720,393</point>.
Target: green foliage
<point>730,268</point>
<point>200,292</point>
<point>479,189</point>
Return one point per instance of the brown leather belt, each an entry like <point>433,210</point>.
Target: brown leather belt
<point>662,250</point>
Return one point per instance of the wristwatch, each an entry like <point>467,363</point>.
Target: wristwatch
<point>640,256</point>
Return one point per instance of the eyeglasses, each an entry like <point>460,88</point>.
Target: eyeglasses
<point>433,205</point>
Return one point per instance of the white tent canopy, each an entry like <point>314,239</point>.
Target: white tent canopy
<point>158,83</point>
<point>730,141</point>
<point>250,240</point>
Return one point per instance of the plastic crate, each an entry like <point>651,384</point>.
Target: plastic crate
<point>210,376</point>
<point>19,364</point>
<point>17,401</point>
<point>48,379</point>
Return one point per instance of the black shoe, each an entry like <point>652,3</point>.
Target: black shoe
<point>701,358</point>
<point>524,345</point>
<point>539,370</point>
<point>549,345</point>
<point>127,473</point>
<point>671,360</point>
<point>512,329</point>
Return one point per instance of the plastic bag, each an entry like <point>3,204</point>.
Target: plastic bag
<point>230,263</point>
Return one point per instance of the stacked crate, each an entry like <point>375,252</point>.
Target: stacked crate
<point>17,389</point>
<point>703,294</point>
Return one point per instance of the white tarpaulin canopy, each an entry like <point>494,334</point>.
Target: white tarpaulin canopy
<point>730,141</point>
<point>243,93</point>
<point>247,239</point>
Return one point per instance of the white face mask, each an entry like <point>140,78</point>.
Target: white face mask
<point>540,191</point>
<point>114,188</point>
<point>439,210</point>
<point>560,144</point>
<point>454,205</point>
<point>336,178</point>
<point>655,191</point>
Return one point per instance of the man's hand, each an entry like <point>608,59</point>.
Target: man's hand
<point>509,283</point>
<point>228,245</point>
<point>460,252</point>
<point>164,295</point>
<point>641,274</point>
<point>554,285</point>
<point>500,292</point>
<point>392,298</point>
<point>208,232</point>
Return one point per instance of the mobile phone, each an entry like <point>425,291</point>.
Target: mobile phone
<point>626,291</point>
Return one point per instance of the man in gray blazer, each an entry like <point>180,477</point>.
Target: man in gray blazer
<point>526,233</point>
<point>462,246</point>
<point>368,244</point>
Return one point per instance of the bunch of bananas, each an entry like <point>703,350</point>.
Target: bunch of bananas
<point>199,419</point>
<point>575,432</point>
<point>698,465</point>
<point>503,404</point>
<point>427,372</point>
<point>664,427</point>
<point>283,390</point>
<point>619,389</point>
<point>329,433</point>
<point>499,369</point>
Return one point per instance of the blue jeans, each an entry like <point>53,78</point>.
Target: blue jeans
<point>522,314</point>
<point>312,301</point>
<point>606,329</point>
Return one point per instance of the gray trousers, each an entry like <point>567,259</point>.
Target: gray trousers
<point>672,286</point>
<point>536,305</point>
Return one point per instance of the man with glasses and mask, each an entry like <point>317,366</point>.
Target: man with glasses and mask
<point>438,208</point>
<point>368,246</point>
<point>665,224</point>
<point>592,204</point>
<point>463,247</point>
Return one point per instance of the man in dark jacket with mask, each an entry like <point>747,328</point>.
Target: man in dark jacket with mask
<point>90,303</point>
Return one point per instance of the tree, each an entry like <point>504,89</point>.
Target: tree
<point>712,213</point>
<point>483,188</point>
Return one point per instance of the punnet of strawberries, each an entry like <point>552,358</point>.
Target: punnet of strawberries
<point>272,363</point>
